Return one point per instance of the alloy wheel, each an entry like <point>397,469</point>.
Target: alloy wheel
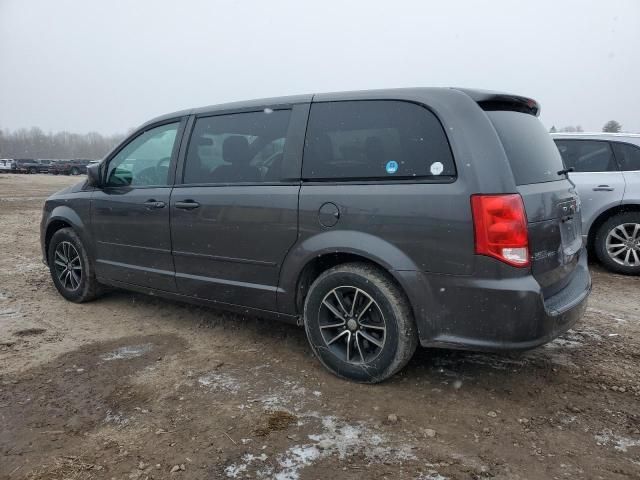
<point>68,266</point>
<point>623,244</point>
<point>352,324</point>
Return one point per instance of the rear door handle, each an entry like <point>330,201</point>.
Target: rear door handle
<point>603,188</point>
<point>187,205</point>
<point>153,204</point>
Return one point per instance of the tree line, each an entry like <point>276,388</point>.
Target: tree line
<point>34,143</point>
<point>611,126</point>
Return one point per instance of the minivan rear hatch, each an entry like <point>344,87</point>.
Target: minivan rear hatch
<point>551,202</point>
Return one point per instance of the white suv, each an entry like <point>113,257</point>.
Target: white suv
<point>6,165</point>
<point>606,172</point>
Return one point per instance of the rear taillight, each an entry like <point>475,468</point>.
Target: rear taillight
<point>500,225</point>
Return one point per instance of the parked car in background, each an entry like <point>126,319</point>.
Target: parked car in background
<point>6,165</point>
<point>606,172</point>
<point>33,166</point>
<point>22,165</point>
<point>376,219</point>
<point>69,167</point>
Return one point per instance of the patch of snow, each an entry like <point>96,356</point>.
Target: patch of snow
<point>128,352</point>
<point>220,382</point>
<point>431,476</point>
<point>116,418</point>
<point>232,471</point>
<point>335,438</point>
<point>619,443</point>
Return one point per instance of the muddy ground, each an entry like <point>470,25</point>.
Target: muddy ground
<point>135,387</point>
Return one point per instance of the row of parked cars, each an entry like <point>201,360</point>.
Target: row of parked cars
<point>56,167</point>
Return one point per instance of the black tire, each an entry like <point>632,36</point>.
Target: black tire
<point>87,288</point>
<point>600,244</point>
<point>75,171</point>
<point>371,363</point>
<point>32,171</point>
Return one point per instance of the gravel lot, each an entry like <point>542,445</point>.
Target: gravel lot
<point>137,387</point>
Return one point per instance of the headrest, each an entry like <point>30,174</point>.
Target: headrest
<point>235,150</point>
<point>203,142</point>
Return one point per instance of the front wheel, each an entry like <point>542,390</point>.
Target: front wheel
<point>359,323</point>
<point>617,243</point>
<point>75,171</point>
<point>71,270</point>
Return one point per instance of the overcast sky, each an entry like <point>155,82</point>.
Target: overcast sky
<point>110,65</point>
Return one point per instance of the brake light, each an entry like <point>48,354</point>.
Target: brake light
<point>500,225</point>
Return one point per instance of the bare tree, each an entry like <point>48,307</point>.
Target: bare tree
<point>571,128</point>
<point>34,143</point>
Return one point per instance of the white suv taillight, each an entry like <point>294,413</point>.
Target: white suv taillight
<point>500,225</point>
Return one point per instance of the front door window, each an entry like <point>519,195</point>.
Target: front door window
<point>145,160</point>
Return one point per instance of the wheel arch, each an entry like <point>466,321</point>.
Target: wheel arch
<point>63,217</point>
<point>310,258</point>
<point>606,215</point>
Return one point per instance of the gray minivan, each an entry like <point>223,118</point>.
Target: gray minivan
<point>376,219</point>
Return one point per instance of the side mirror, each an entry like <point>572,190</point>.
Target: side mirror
<point>93,175</point>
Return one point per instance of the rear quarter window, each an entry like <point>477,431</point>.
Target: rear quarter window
<point>628,156</point>
<point>530,150</point>
<point>375,140</point>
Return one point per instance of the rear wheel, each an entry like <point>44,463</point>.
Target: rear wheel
<point>71,270</point>
<point>617,243</point>
<point>359,323</point>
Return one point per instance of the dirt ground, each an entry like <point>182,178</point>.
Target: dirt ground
<point>136,387</point>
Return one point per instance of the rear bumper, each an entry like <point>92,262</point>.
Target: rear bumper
<point>489,314</point>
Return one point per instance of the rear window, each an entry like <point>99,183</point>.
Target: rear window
<point>532,154</point>
<point>375,140</point>
<point>587,155</point>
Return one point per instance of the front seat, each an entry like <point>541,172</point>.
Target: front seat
<point>236,152</point>
<point>198,171</point>
<point>321,149</point>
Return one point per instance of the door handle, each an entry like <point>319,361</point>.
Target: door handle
<point>153,204</point>
<point>603,188</point>
<point>187,205</point>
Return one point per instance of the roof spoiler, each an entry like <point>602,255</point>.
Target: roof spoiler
<point>489,101</point>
